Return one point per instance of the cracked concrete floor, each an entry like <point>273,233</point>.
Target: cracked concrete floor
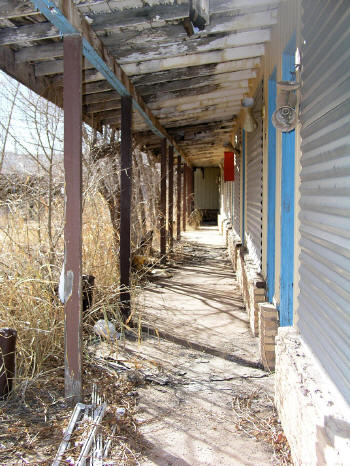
<point>207,363</point>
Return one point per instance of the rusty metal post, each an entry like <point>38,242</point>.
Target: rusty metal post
<point>72,103</point>
<point>188,191</point>
<point>162,204</point>
<point>178,200</point>
<point>171,198</point>
<point>191,175</point>
<point>125,206</point>
<point>8,338</point>
<point>184,199</point>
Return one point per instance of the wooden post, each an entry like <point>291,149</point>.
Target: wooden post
<point>162,204</point>
<point>171,198</point>
<point>178,200</point>
<point>72,103</point>
<point>125,206</point>
<point>184,200</point>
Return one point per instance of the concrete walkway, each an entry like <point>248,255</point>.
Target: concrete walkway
<point>209,381</point>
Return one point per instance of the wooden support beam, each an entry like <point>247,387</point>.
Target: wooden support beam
<point>178,199</point>
<point>184,199</point>
<point>162,203</point>
<point>171,198</point>
<point>125,206</point>
<point>72,98</point>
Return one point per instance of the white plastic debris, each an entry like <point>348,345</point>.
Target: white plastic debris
<point>61,285</point>
<point>161,273</point>
<point>120,412</point>
<point>106,329</point>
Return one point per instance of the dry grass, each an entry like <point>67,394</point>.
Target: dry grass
<point>255,415</point>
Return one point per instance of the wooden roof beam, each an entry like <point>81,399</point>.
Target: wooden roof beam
<point>156,16</point>
<point>230,54</point>
<point>69,21</point>
<point>28,33</point>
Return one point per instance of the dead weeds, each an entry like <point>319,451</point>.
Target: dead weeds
<point>255,415</point>
<point>34,418</point>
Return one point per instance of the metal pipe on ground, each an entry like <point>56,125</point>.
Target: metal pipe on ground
<point>8,337</point>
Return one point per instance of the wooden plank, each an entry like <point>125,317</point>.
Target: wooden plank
<point>237,79</point>
<point>40,52</point>
<point>140,18</point>
<point>180,70</point>
<point>146,17</point>
<point>196,72</point>
<point>28,33</point>
<point>135,53</point>
<point>15,8</point>
<point>229,54</point>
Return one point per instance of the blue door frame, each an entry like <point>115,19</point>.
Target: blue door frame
<point>287,202</point>
<point>271,208</point>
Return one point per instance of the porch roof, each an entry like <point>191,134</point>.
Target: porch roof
<point>186,83</point>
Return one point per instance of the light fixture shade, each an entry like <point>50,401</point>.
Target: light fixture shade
<point>249,124</point>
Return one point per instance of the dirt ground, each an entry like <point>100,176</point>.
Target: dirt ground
<point>206,401</point>
<point>190,382</point>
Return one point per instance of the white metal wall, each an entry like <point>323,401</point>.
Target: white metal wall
<point>206,188</point>
<point>324,300</point>
<point>254,176</point>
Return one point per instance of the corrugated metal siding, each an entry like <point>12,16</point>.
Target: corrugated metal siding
<point>253,233</point>
<point>324,300</point>
<point>206,190</point>
<point>237,197</point>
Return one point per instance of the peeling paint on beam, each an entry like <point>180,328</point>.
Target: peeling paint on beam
<point>197,71</point>
<point>145,52</point>
<point>218,93</point>
<point>30,32</point>
<point>236,53</point>
<point>239,79</point>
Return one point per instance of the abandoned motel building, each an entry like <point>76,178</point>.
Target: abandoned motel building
<point>248,102</point>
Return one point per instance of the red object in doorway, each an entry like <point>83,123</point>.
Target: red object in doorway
<point>229,168</point>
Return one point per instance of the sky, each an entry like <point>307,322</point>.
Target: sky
<point>36,126</point>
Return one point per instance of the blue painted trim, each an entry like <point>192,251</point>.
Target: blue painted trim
<point>56,17</point>
<point>271,208</point>
<point>243,186</point>
<point>287,203</point>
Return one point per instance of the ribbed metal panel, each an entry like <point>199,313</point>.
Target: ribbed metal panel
<point>253,233</point>
<point>324,301</point>
<point>237,197</point>
<point>206,190</point>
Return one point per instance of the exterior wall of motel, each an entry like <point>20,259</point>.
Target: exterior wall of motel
<point>313,411</point>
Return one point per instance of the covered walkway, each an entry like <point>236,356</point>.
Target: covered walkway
<point>196,412</point>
